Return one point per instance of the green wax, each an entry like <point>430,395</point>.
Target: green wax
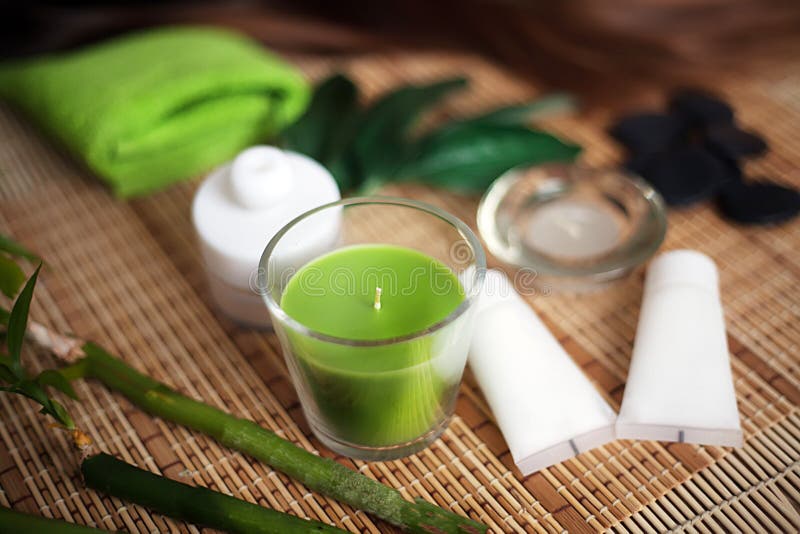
<point>335,293</point>
<point>376,395</point>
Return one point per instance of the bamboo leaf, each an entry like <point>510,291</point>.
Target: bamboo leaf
<point>319,131</point>
<point>6,374</point>
<point>381,142</point>
<point>59,413</point>
<point>18,321</point>
<point>33,391</point>
<point>470,158</point>
<point>11,276</point>
<point>56,380</point>
<point>15,249</point>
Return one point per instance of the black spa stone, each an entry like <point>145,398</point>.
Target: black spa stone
<point>647,133</point>
<point>687,175</point>
<point>759,202</point>
<point>700,108</point>
<point>638,163</point>
<point>734,143</point>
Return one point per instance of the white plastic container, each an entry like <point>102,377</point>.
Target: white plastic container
<point>242,205</point>
<point>680,386</point>
<point>546,408</point>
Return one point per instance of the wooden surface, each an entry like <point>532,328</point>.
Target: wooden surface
<point>128,275</point>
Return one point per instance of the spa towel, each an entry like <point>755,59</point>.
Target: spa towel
<point>150,108</point>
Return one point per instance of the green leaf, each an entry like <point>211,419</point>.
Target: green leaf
<point>15,249</point>
<point>54,379</point>
<point>18,320</point>
<point>346,170</point>
<point>471,158</point>
<point>58,412</point>
<point>552,104</point>
<point>33,391</point>
<point>381,142</point>
<point>319,131</point>
<point>514,115</point>
<point>6,374</point>
<point>11,276</point>
<point>4,315</point>
<point>36,392</point>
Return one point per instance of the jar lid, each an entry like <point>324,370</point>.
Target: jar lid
<point>573,227</point>
<point>242,205</point>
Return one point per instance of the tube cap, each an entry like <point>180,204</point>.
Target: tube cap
<point>683,267</point>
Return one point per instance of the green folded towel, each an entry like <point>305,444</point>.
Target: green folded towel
<point>154,107</point>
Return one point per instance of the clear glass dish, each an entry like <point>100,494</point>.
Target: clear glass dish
<point>572,227</point>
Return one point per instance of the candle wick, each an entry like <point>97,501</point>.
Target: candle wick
<point>377,303</point>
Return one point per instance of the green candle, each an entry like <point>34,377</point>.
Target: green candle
<point>335,294</point>
<point>378,394</point>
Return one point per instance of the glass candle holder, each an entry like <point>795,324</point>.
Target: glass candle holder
<point>575,228</point>
<point>375,331</point>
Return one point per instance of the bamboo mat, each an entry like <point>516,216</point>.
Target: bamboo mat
<point>128,276</point>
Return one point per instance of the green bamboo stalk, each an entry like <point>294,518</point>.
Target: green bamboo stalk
<point>190,503</point>
<point>14,522</point>
<point>319,474</point>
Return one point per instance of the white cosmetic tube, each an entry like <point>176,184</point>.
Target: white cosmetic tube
<point>680,386</point>
<point>546,408</point>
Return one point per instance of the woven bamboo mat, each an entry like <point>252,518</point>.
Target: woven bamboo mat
<point>128,276</point>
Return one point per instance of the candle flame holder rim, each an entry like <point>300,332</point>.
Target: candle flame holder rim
<point>460,226</point>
